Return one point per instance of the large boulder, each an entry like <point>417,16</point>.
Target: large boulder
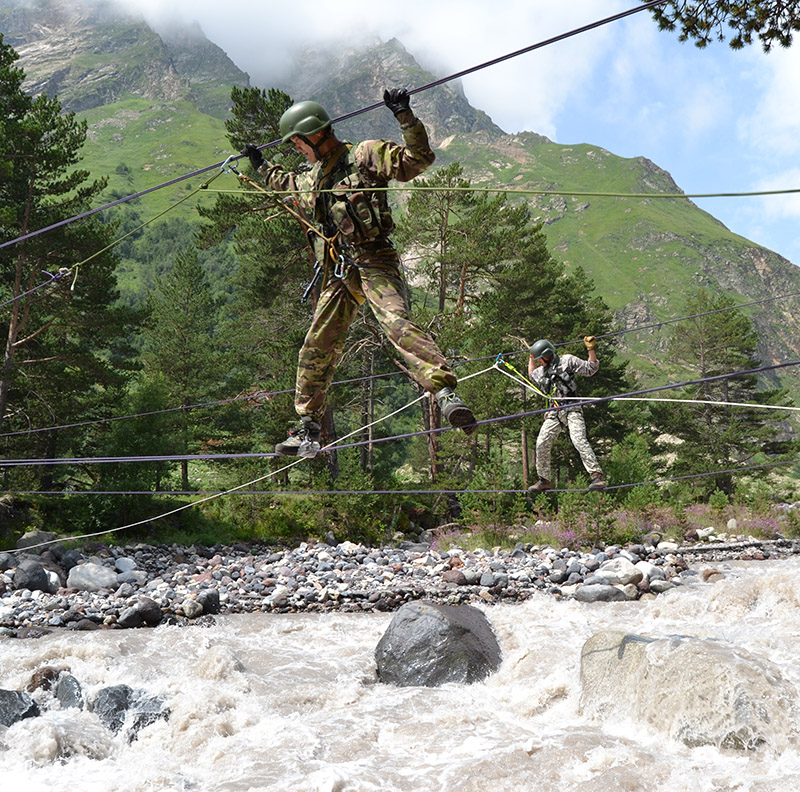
<point>36,540</point>
<point>700,692</point>
<point>92,577</point>
<point>619,570</point>
<point>121,705</point>
<point>16,705</point>
<point>428,644</point>
<point>31,575</point>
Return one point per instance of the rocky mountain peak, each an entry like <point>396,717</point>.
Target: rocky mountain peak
<point>349,76</point>
<point>94,53</point>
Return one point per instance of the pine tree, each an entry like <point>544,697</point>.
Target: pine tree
<point>180,344</point>
<point>64,352</point>
<point>498,288</point>
<point>718,438</point>
<point>770,21</point>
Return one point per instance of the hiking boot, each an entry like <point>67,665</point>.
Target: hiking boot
<point>455,411</point>
<point>303,441</point>
<point>598,481</point>
<point>540,486</point>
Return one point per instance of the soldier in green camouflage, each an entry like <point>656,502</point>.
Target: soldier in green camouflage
<point>361,265</point>
<point>554,375</point>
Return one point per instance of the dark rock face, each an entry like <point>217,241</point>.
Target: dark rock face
<point>145,612</point>
<point>428,644</point>
<point>16,706</point>
<point>31,575</point>
<point>117,704</point>
<point>69,692</point>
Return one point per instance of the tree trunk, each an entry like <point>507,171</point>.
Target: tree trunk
<point>16,322</point>
<point>526,471</point>
<point>328,436</point>
<point>431,421</point>
<point>368,412</point>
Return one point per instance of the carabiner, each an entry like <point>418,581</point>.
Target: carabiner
<point>226,168</point>
<point>338,270</point>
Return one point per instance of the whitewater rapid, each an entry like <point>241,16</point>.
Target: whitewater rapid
<point>284,702</point>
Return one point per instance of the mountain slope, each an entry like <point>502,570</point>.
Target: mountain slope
<point>155,106</point>
<point>645,255</point>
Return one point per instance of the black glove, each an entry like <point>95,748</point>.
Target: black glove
<point>252,152</point>
<point>396,99</point>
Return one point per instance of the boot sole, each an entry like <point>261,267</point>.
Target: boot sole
<point>462,418</point>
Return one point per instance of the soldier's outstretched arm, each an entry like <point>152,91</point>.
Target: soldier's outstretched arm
<point>383,160</point>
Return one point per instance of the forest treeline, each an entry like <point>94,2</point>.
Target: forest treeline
<point>216,319</point>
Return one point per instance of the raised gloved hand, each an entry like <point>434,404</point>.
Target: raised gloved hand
<point>590,342</point>
<point>252,152</point>
<point>397,99</point>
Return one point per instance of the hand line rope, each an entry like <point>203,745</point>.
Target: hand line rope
<point>62,273</point>
<point>68,270</point>
<point>352,114</point>
<point>518,191</point>
<point>246,484</point>
<point>270,394</point>
<point>582,402</point>
<point>428,491</point>
<point>752,405</point>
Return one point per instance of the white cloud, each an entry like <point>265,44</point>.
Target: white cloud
<point>774,127</point>
<point>719,121</point>
<point>446,36</point>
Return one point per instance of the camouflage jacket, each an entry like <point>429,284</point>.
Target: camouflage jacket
<point>360,216</point>
<point>561,376</point>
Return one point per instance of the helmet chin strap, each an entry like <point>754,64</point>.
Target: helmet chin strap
<point>315,147</point>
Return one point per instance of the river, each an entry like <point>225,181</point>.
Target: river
<point>285,703</point>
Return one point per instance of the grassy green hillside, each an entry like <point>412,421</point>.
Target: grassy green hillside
<point>137,145</point>
<point>645,255</point>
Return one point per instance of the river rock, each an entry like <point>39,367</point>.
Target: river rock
<point>69,692</point>
<point>16,706</point>
<point>33,538</point>
<point>71,558</point>
<point>599,592</point>
<point>92,577</point>
<point>31,575</point>
<point>209,599</point>
<point>121,704</point>
<point>429,644</point>
<point>619,570</point>
<point>700,692</point>
<point>144,612</point>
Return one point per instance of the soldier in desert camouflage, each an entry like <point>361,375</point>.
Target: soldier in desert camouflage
<point>555,377</point>
<point>360,261</point>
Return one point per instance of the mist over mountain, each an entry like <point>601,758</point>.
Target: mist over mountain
<point>155,103</point>
<point>92,54</point>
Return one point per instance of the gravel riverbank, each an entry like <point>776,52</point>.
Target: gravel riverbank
<point>145,585</point>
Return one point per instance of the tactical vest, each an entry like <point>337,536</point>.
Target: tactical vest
<point>555,378</point>
<point>358,216</point>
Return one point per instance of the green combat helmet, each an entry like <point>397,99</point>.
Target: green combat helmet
<point>303,118</point>
<point>543,348</point>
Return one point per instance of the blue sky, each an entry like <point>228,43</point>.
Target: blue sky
<point>717,120</point>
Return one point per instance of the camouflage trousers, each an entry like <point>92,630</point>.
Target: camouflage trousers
<point>551,429</point>
<point>378,282</point>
